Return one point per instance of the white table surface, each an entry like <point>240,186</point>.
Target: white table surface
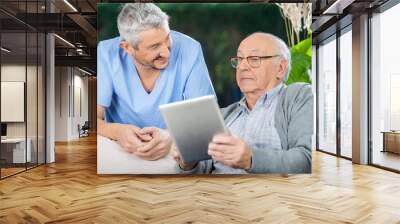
<point>13,140</point>
<point>19,151</point>
<point>112,159</point>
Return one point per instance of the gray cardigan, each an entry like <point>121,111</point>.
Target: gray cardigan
<point>294,123</point>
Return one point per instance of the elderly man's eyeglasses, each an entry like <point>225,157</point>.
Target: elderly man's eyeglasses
<point>253,61</point>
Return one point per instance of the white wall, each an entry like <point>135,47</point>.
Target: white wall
<point>12,100</point>
<point>80,94</point>
<point>15,72</point>
<point>71,93</point>
<point>61,103</point>
<point>33,127</point>
<point>12,73</point>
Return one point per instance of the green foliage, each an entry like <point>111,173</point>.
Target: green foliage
<point>301,62</point>
<point>107,20</point>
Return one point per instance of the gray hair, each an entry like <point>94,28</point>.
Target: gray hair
<point>137,17</point>
<point>283,50</point>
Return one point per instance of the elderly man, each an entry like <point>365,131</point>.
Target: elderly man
<point>148,65</point>
<point>272,126</point>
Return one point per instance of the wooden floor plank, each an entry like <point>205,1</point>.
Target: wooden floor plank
<point>70,191</point>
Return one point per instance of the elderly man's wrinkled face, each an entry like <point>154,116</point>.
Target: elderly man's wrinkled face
<point>258,75</point>
<point>153,50</point>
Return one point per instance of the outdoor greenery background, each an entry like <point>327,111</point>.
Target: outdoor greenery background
<point>219,27</point>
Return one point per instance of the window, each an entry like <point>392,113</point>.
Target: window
<point>314,88</point>
<point>346,93</point>
<point>385,88</point>
<point>327,96</point>
<point>22,77</point>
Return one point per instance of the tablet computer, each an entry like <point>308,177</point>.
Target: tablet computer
<point>192,125</point>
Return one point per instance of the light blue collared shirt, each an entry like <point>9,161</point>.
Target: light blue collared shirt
<point>256,127</point>
<point>120,90</point>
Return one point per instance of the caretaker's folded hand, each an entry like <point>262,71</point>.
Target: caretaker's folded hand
<point>230,150</point>
<point>130,138</point>
<point>158,146</point>
<point>143,137</point>
<point>179,161</point>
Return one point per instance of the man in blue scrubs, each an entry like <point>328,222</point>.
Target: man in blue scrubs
<point>147,66</point>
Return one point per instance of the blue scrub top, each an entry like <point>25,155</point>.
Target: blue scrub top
<point>122,94</point>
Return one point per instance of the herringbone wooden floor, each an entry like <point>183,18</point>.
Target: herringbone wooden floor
<point>70,191</point>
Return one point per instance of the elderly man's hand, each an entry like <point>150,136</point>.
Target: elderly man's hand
<point>177,157</point>
<point>231,151</point>
<point>158,146</point>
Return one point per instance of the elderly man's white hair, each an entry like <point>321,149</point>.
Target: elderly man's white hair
<point>283,50</point>
<point>137,17</point>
